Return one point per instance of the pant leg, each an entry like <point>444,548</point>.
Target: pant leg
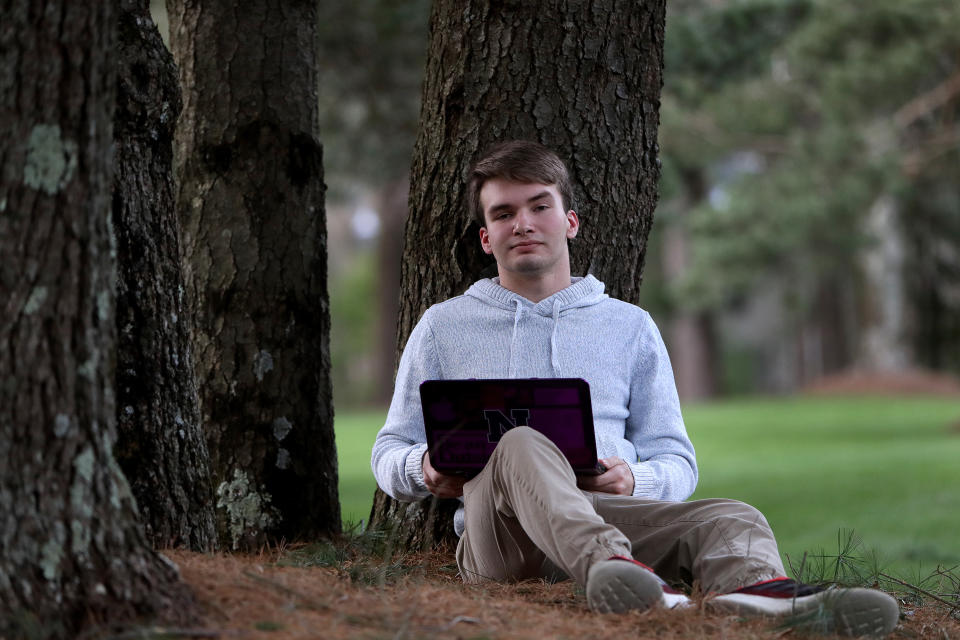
<point>525,516</point>
<point>723,544</point>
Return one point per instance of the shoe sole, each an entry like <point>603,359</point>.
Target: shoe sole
<point>847,612</point>
<point>617,586</point>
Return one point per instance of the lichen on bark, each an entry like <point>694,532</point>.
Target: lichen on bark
<point>248,510</point>
<point>51,160</point>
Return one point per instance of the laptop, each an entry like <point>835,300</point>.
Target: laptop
<point>465,419</point>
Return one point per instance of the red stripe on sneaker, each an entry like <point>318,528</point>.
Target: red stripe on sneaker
<point>763,582</point>
<point>636,562</point>
<point>779,588</point>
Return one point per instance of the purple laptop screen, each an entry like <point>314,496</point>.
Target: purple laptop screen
<point>464,419</point>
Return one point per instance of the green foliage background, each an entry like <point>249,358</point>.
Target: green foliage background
<point>814,90</point>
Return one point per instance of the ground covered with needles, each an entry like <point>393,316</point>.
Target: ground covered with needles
<point>328,591</point>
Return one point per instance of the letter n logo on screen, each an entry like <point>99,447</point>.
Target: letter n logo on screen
<point>498,424</point>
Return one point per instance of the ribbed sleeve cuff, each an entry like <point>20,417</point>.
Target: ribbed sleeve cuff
<point>413,467</point>
<point>644,484</point>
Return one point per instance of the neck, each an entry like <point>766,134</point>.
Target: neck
<point>534,287</point>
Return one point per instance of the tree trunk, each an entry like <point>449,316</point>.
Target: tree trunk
<point>692,338</point>
<point>582,78</point>
<point>393,214</point>
<point>251,199</point>
<point>885,343</point>
<point>72,553</point>
<point>160,442</point>
<point>833,312</point>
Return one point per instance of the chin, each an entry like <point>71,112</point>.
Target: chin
<point>527,267</point>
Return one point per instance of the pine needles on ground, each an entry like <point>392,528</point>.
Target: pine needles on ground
<point>854,566</point>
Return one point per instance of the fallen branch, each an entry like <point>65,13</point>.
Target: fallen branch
<point>919,590</point>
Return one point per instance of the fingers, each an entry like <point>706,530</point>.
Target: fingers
<point>618,479</point>
<point>440,484</point>
<point>445,486</point>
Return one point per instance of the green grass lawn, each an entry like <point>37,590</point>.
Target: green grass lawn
<point>355,432</point>
<point>887,468</point>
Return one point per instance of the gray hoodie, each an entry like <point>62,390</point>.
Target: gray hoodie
<point>579,332</point>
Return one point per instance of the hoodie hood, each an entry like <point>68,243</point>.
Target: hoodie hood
<point>583,292</point>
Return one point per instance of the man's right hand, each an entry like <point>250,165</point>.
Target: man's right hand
<point>441,484</point>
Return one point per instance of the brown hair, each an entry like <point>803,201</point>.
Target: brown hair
<point>520,161</point>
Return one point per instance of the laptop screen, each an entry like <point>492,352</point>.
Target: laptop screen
<point>464,419</point>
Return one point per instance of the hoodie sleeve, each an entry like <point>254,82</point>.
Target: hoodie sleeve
<point>667,465</point>
<point>397,458</point>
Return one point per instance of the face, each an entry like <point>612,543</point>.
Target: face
<point>526,228</point>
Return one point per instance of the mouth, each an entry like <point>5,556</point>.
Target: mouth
<point>525,243</point>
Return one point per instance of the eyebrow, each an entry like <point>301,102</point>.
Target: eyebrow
<point>505,206</point>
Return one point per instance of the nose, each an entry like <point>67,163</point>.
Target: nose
<point>521,222</point>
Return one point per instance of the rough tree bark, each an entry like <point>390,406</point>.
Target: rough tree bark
<point>161,446</point>
<point>582,78</point>
<point>251,198</point>
<point>72,553</point>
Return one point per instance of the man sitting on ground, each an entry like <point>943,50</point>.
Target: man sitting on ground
<point>620,534</point>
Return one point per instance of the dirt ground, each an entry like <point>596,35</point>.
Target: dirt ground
<point>913,381</point>
<point>257,597</point>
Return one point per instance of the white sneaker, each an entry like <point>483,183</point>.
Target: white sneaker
<point>673,599</point>
<point>622,584</point>
<point>842,611</point>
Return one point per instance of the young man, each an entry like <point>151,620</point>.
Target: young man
<point>526,515</point>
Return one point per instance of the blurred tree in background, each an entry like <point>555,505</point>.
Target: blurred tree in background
<point>811,220</point>
<point>372,55</point>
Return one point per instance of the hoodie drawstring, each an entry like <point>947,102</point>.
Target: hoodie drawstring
<point>513,340</point>
<point>554,358</point>
<point>582,293</point>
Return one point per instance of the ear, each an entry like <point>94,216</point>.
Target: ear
<point>485,241</point>
<point>573,224</point>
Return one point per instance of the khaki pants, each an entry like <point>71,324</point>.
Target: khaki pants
<point>526,518</point>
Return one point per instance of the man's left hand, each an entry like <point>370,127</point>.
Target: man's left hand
<point>617,479</point>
